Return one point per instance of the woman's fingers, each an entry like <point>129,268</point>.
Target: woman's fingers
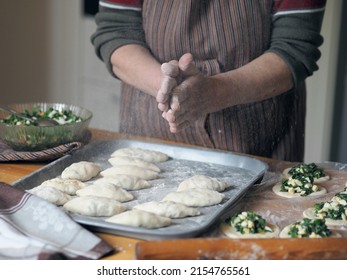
<point>170,72</point>
<point>175,127</point>
<point>177,117</point>
<point>170,68</point>
<point>164,106</point>
<point>167,84</point>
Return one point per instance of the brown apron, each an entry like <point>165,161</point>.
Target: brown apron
<point>221,35</point>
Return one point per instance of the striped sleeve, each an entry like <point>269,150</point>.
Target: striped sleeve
<point>134,5</point>
<point>285,7</point>
<point>296,35</point>
<point>119,23</point>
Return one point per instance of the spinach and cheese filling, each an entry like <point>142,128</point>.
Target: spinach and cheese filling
<point>311,228</point>
<point>335,209</point>
<point>249,222</point>
<point>342,195</point>
<point>310,169</point>
<point>299,183</point>
<point>61,116</point>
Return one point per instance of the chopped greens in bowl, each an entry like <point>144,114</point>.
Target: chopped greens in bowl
<point>23,135</point>
<point>60,115</point>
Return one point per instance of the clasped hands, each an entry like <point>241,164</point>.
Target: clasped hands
<point>183,94</point>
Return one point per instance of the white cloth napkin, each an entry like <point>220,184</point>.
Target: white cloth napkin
<point>32,228</point>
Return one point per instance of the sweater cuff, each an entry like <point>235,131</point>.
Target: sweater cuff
<point>294,66</point>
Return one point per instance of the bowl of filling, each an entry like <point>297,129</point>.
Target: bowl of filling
<point>25,135</point>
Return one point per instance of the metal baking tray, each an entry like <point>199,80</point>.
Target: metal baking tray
<point>241,172</point>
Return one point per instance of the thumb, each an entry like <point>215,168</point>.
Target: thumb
<point>187,65</point>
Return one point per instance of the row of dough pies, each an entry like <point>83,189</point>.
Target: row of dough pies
<point>84,188</point>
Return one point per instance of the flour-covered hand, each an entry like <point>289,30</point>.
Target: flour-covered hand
<point>191,99</point>
<point>170,73</point>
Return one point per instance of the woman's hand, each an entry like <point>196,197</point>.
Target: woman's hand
<point>191,99</point>
<point>169,80</point>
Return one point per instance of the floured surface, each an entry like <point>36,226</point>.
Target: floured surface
<point>282,211</point>
<point>238,171</point>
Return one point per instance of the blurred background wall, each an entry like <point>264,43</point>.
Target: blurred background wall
<point>46,55</point>
<point>24,50</point>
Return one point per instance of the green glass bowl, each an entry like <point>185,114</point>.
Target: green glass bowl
<point>34,138</point>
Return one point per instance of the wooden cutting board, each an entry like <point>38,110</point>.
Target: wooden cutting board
<point>243,249</point>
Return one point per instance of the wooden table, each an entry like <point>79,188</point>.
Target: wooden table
<point>125,248</point>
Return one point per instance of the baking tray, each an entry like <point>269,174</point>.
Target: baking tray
<point>241,172</point>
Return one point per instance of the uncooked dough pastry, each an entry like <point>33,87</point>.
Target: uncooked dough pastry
<point>106,190</point>
<point>127,182</point>
<point>231,232</point>
<point>94,206</point>
<point>82,171</point>
<point>123,160</point>
<point>168,209</point>
<point>50,194</point>
<point>334,211</point>
<point>277,190</point>
<point>139,218</point>
<point>145,154</point>
<point>309,213</point>
<point>195,197</point>
<point>285,231</point>
<point>68,186</point>
<point>204,182</point>
<point>140,172</point>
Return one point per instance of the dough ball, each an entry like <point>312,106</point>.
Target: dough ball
<point>195,197</point>
<point>124,160</point>
<point>51,195</point>
<point>68,186</point>
<point>127,182</point>
<point>204,182</point>
<point>168,209</point>
<point>144,154</point>
<point>106,190</point>
<point>94,206</point>
<point>82,171</point>
<point>136,171</point>
<point>139,218</point>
